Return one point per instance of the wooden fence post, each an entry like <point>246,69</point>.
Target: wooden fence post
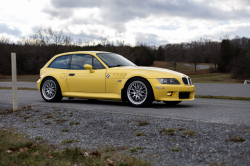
<point>14,81</point>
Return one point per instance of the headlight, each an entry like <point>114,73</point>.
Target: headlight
<point>168,81</point>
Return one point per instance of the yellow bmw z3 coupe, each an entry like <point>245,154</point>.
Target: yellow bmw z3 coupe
<point>106,75</point>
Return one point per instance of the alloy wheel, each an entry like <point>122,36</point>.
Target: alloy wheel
<point>137,92</point>
<point>49,89</point>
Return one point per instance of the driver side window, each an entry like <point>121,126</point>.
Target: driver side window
<point>79,60</point>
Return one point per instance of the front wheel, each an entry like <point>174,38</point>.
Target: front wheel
<point>171,102</point>
<point>139,92</point>
<point>50,90</point>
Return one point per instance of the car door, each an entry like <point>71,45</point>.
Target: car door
<point>81,80</point>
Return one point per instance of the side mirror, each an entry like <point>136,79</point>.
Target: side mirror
<point>89,67</point>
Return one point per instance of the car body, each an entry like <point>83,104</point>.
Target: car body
<point>90,75</point>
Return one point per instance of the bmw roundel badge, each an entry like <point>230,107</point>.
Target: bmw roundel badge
<point>108,75</point>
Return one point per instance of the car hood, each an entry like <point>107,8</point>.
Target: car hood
<point>153,69</point>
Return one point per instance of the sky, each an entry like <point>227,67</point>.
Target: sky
<point>130,21</point>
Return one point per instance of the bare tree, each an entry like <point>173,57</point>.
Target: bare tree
<point>212,50</point>
<point>104,41</point>
<point>173,53</point>
<point>194,52</point>
<point>52,40</point>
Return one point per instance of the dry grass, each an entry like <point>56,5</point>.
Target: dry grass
<point>10,88</point>
<point>74,123</point>
<point>17,150</point>
<point>140,134</point>
<point>170,65</point>
<point>189,132</point>
<point>167,131</point>
<point>69,141</point>
<point>142,123</point>
<point>198,72</point>
<point>133,150</point>
<point>236,139</point>
<point>223,97</point>
<point>29,78</point>
<point>178,149</point>
<point>5,111</point>
<point>215,78</point>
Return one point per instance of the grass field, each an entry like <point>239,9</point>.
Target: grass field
<point>170,65</point>
<point>179,66</point>
<point>215,78</point>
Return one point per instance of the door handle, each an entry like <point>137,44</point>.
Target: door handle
<point>71,74</point>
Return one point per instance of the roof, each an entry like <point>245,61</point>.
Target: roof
<point>91,51</point>
<point>65,53</point>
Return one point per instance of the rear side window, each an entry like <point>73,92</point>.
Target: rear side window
<point>61,62</point>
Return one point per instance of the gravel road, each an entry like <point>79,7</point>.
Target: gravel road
<point>199,130</point>
<point>188,142</point>
<point>207,110</point>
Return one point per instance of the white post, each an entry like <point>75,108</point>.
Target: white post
<point>14,81</point>
<point>245,82</point>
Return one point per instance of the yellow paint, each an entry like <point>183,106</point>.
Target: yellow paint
<point>84,95</point>
<point>96,84</point>
<point>85,81</point>
<point>55,73</point>
<point>62,75</point>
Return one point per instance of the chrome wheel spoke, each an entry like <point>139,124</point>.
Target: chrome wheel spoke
<point>137,92</point>
<point>49,89</point>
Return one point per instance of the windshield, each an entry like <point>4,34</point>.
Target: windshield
<point>114,60</point>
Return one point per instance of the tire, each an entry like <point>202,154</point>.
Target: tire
<point>50,90</point>
<point>92,100</point>
<point>171,102</point>
<point>138,92</point>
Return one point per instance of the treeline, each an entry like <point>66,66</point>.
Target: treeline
<point>226,56</point>
<point>34,51</point>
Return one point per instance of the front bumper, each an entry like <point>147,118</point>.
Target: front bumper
<point>161,90</point>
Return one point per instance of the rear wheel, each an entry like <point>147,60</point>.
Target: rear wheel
<point>50,90</point>
<point>139,92</point>
<point>171,102</point>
